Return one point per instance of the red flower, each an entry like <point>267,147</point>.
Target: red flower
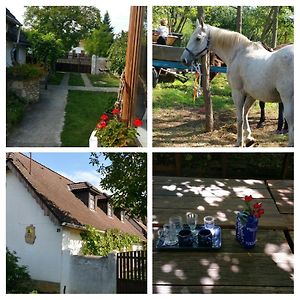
<point>257,205</point>
<point>248,198</point>
<point>115,111</point>
<point>104,117</point>
<point>101,124</point>
<point>138,122</point>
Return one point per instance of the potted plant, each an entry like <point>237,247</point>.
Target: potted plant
<point>113,132</point>
<point>247,223</point>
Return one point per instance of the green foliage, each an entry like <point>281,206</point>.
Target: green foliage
<point>102,243</point>
<point>116,134</point>
<point>117,53</point>
<point>70,24</point>
<point>75,79</point>
<point>100,41</point>
<point>24,72</point>
<point>83,108</point>
<point>18,280</point>
<point>15,109</point>
<point>46,48</point>
<point>105,79</point>
<point>126,179</point>
<point>255,19</point>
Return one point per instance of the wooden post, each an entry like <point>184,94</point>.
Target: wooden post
<point>133,54</point>
<point>205,69</point>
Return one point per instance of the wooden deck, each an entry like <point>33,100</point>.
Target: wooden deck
<point>268,268</point>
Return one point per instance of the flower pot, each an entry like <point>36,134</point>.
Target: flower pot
<point>246,229</point>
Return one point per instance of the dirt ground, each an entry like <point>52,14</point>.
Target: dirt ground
<point>185,127</point>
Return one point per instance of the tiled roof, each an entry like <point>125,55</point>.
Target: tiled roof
<point>54,194</point>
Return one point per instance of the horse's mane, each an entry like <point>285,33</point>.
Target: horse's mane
<point>224,38</point>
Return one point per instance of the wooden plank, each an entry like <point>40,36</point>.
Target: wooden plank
<point>169,53</point>
<point>186,289</point>
<point>280,183</point>
<point>284,199</point>
<point>270,264</point>
<point>289,221</point>
<point>224,211</point>
<point>291,234</point>
<point>199,182</point>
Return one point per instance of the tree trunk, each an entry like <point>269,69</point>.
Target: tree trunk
<point>268,25</point>
<point>239,19</point>
<point>275,27</point>
<point>205,69</point>
<point>209,116</point>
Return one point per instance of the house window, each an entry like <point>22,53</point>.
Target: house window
<point>92,202</point>
<point>122,215</point>
<point>110,210</point>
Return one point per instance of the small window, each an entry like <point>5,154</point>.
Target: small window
<point>92,202</point>
<point>122,215</point>
<point>110,210</point>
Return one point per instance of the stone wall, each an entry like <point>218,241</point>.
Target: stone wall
<point>88,274</point>
<point>27,89</point>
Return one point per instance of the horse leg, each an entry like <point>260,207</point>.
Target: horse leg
<point>262,119</point>
<point>280,118</point>
<point>289,116</point>
<point>239,100</point>
<point>248,103</point>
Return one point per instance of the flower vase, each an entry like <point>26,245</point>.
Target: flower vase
<point>246,229</point>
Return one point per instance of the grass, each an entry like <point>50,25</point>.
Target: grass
<point>178,121</point>
<point>105,79</point>
<point>82,114</point>
<point>76,79</point>
<point>15,109</point>
<point>56,78</point>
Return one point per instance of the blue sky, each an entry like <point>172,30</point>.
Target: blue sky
<point>72,165</point>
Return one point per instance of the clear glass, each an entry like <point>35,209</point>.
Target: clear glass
<point>191,220</point>
<point>169,232</point>
<point>177,221</point>
<point>209,222</point>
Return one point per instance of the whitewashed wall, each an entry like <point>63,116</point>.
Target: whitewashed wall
<point>43,258</point>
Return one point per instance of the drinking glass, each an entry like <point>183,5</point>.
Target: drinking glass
<point>170,234</point>
<point>177,221</point>
<point>209,222</point>
<point>191,220</point>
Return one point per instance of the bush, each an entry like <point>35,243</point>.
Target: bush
<point>25,71</point>
<point>18,280</point>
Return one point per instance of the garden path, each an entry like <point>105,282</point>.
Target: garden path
<point>43,122</point>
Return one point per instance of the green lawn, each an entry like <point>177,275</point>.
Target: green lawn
<point>82,114</point>
<point>56,78</point>
<point>105,79</point>
<point>178,95</point>
<point>76,79</point>
<point>15,109</point>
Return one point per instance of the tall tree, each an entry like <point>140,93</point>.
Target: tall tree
<point>100,41</point>
<point>107,22</point>
<point>275,26</point>
<point>70,24</point>
<point>126,178</point>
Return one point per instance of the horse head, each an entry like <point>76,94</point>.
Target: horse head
<point>197,45</point>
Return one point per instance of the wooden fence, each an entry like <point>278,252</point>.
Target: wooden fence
<point>132,272</point>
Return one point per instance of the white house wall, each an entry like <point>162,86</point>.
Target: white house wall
<point>43,258</point>
<point>71,240</point>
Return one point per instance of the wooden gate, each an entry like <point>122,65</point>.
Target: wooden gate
<point>79,65</point>
<point>132,272</point>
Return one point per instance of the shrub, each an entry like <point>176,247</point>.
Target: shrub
<point>18,280</point>
<point>24,71</point>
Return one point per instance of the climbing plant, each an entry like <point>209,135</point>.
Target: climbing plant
<point>102,243</point>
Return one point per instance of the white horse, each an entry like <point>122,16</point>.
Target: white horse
<point>252,72</point>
